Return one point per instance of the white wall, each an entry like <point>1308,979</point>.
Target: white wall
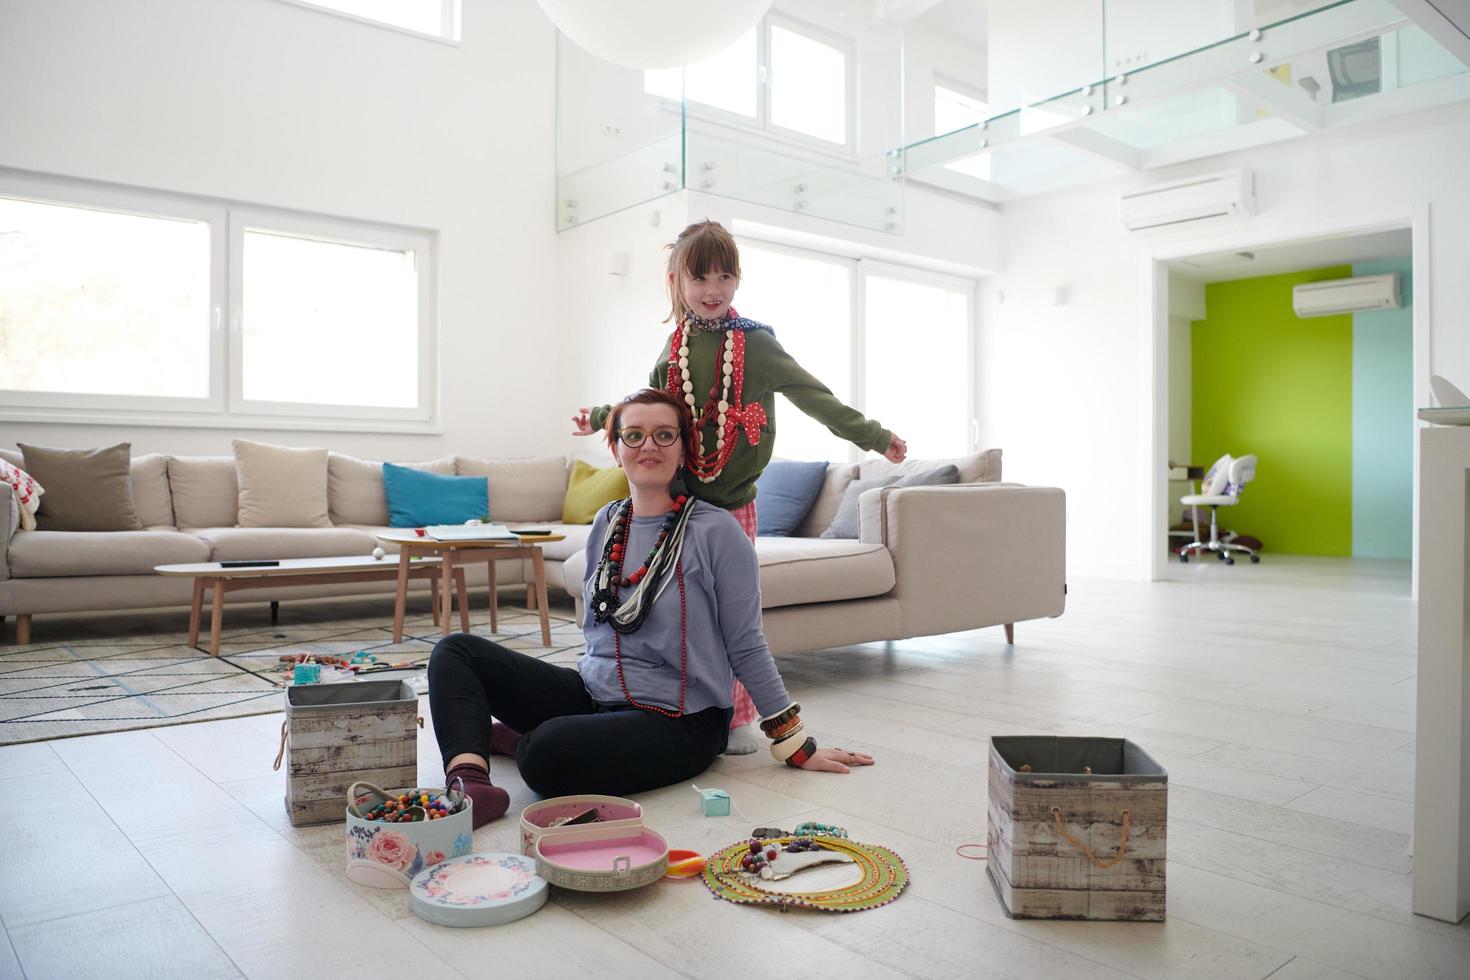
<point>1068,391</point>
<point>271,103</point>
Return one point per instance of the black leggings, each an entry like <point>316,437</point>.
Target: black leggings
<point>570,743</point>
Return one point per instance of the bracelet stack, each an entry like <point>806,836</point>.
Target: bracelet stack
<point>789,742</point>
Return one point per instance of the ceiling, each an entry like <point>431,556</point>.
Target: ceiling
<point>1292,257</point>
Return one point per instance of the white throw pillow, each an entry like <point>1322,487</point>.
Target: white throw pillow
<point>281,486</point>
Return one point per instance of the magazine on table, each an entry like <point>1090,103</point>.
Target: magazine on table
<point>471,532</point>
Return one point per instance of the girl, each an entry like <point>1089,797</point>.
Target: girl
<point>726,370</point>
<point>649,703</point>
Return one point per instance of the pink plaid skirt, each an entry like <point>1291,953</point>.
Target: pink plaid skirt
<point>745,709</point>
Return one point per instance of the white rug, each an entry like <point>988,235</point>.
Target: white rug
<point>87,675</point>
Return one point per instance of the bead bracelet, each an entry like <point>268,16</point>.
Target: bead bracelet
<point>774,722</point>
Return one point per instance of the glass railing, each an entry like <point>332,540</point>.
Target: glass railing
<point>1291,76</point>
<point>991,100</point>
<point>801,114</point>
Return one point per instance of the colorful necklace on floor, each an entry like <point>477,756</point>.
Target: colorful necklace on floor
<point>725,407</point>
<point>663,563</point>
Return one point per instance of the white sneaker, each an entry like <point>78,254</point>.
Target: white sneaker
<point>745,740</point>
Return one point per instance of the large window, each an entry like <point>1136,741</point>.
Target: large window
<point>113,307</point>
<point>781,76</point>
<point>890,341</point>
<point>432,18</point>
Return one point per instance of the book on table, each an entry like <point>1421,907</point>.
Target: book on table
<point>471,532</point>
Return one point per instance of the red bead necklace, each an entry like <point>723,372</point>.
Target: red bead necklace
<point>615,560</point>
<point>725,407</point>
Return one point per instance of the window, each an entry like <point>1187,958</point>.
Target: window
<point>103,303</point>
<point>917,358</point>
<point>727,81</point>
<point>807,298</point>
<point>112,309</point>
<point>779,77</point>
<point>890,341</point>
<point>433,18</point>
<point>954,110</point>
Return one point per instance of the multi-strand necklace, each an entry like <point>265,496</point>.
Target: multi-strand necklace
<point>725,406</point>
<point>648,581</point>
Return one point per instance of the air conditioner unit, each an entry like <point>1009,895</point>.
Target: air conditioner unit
<point>1334,296</point>
<point>1192,199</point>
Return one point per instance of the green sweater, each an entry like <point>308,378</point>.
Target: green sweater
<point>768,370</point>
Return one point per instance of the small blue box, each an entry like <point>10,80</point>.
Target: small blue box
<point>716,802</point>
<point>307,674</point>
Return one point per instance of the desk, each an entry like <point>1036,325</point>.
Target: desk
<point>1442,746</point>
<point>1180,473</point>
<point>455,553</point>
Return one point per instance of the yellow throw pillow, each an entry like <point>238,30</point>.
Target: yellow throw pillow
<point>589,489</point>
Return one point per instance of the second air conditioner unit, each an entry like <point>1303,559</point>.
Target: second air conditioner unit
<point>1332,297</point>
<point>1191,199</point>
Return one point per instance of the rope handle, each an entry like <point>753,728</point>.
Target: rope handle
<point>281,752</point>
<point>1056,812</point>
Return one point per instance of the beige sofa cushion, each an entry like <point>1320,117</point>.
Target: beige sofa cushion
<point>829,498</point>
<point>795,571</point>
<point>246,543</point>
<point>51,554</point>
<point>530,489</point>
<point>281,486</point>
<point>355,493</point>
<point>801,570</point>
<point>151,498</point>
<point>85,489</point>
<point>205,489</point>
<point>981,467</point>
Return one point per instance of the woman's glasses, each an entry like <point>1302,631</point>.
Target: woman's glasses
<point>662,438</point>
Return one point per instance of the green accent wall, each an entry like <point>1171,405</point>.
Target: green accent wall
<point>1270,383</point>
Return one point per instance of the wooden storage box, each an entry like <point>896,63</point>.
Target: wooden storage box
<point>1076,828</point>
<point>340,734</point>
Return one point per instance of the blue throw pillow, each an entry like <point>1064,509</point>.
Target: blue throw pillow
<point>848,524</point>
<point>783,495</point>
<point>417,498</point>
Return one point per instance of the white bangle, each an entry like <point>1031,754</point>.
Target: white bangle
<point>786,748</point>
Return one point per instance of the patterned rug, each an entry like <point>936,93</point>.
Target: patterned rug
<point>92,674</point>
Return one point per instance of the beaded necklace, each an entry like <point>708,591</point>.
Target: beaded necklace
<point>627,617</point>
<point>725,407</point>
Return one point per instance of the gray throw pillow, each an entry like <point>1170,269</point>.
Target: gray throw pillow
<point>86,489</point>
<point>847,522</point>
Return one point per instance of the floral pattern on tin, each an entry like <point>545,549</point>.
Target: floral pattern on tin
<point>437,884</point>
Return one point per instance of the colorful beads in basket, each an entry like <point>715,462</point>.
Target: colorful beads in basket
<point>406,809</point>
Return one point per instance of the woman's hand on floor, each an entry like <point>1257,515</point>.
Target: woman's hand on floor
<point>836,760</point>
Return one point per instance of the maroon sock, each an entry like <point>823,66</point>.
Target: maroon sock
<point>490,800</point>
<point>503,739</point>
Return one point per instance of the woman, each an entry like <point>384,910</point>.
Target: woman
<point>673,617</point>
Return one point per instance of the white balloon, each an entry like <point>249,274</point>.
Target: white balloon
<point>655,33</point>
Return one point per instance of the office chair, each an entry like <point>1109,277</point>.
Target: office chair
<point>1221,488</point>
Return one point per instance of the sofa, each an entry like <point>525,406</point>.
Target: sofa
<point>928,560</point>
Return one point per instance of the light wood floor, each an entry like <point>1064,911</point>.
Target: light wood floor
<point>1280,697</point>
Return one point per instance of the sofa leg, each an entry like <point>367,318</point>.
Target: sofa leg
<point>1010,634</point>
<point>23,628</point>
<point>275,612</point>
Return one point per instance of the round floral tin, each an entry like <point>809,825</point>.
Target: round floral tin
<point>388,855</point>
<point>478,890</point>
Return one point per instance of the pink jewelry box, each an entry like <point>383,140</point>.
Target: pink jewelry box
<point>612,811</point>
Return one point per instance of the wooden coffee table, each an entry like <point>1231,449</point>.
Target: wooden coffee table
<point>456,553</point>
<point>211,576</point>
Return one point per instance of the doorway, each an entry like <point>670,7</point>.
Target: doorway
<point>1326,404</point>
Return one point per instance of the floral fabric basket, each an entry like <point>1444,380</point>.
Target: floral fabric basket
<point>388,855</point>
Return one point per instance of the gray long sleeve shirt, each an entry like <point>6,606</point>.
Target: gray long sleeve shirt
<point>722,589</point>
